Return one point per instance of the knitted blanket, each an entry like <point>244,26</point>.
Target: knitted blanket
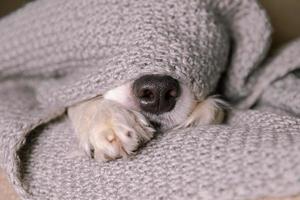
<point>55,53</point>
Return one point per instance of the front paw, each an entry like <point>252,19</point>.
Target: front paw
<point>209,111</point>
<point>109,129</point>
<point>118,134</point>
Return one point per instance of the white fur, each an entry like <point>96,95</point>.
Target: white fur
<point>177,115</point>
<point>108,128</point>
<point>123,95</point>
<point>206,112</point>
<point>114,126</point>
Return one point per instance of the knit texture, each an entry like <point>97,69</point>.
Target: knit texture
<point>55,53</point>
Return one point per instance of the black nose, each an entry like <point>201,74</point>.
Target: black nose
<point>156,93</point>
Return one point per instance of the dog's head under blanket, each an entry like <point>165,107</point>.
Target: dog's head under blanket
<point>55,53</point>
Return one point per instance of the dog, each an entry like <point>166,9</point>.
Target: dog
<point>115,124</point>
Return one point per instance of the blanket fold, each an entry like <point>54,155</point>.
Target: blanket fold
<point>56,53</point>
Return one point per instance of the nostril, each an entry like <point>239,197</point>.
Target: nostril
<point>146,95</point>
<point>171,94</point>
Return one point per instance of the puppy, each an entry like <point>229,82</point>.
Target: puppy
<point>115,124</point>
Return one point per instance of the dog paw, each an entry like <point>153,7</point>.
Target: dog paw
<point>209,111</point>
<point>108,129</point>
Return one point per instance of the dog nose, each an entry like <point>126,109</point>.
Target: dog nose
<point>156,93</point>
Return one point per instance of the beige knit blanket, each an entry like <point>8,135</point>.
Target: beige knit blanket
<point>54,53</point>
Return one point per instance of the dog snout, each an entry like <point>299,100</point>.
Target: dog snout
<point>156,93</point>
